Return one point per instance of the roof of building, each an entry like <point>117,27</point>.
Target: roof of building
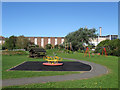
<point>44,37</point>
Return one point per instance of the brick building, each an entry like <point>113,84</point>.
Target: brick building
<point>42,41</point>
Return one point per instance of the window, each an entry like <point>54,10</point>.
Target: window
<point>55,41</point>
<point>62,40</point>
<point>42,42</point>
<point>35,41</point>
<point>49,41</point>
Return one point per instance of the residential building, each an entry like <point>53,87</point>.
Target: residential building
<point>42,41</point>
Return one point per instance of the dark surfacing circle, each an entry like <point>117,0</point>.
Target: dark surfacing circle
<point>38,66</point>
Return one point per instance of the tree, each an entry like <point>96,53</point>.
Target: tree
<point>10,42</point>
<point>22,42</point>
<point>81,36</point>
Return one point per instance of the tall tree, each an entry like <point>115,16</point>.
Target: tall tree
<point>81,36</point>
<point>10,42</point>
<point>22,42</point>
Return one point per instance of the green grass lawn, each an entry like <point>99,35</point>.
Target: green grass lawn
<point>109,80</point>
<point>11,61</point>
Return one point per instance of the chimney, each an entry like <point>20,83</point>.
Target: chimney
<point>100,31</point>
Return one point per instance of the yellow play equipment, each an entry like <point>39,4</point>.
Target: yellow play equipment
<point>52,60</point>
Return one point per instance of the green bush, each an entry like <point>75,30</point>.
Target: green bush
<point>61,46</point>
<point>68,51</point>
<point>80,51</point>
<point>112,47</point>
<point>56,46</point>
<point>48,46</point>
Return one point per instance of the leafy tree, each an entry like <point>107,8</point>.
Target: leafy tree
<point>81,36</point>
<point>10,43</point>
<point>22,42</point>
<point>3,47</point>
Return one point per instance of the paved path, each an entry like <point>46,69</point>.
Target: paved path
<point>96,70</point>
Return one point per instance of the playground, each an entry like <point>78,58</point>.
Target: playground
<point>38,66</point>
<point>109,62</point>
<point>52,64</point>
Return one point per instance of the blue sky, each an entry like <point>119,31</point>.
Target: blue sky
<point>58,19</point>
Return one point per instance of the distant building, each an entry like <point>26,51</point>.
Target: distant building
<point>97,40</point>
<point>2,40</point>
<point>42,41</point>
<point>100,38</point>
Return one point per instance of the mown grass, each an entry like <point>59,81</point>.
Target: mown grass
<point>9,61</point>
<point>109,80</point>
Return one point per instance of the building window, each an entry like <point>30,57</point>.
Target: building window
<point>62,40</point>
<point>28,38</point>
<point>55,41</point>
<point>49,41</point>
<point>42,42</point>
<point>35,41</point>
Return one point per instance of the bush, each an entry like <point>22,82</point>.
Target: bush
<point>112,47</point>
<point>56,46</point>
<point>48,46</point>
<point>68,51</point>
<point>80,51</point>
<point>61,46</point>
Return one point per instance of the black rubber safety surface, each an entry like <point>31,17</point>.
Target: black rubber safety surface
<point>38,66</point>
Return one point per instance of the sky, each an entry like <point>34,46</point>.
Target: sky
<point>57,19</point>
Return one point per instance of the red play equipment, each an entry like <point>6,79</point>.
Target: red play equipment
<point>87,51</point>
<point>104,50</point>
